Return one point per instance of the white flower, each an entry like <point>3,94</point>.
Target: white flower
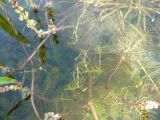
<point>20,8</point>
<point>51,116</point>
<point>151,105</point>
<point>51,27</point>
<point>23,16</point>
<point>31,23</point>
<point>17,11</point>
<point>40,33</point>
<point>57,116</point>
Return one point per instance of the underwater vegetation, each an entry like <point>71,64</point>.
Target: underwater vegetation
<point>80,59</point>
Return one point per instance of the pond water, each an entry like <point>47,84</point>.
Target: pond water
<point>101,64</point>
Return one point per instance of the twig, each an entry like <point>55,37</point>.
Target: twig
<point>90,87</point>
<point>32,96</point>
<point>93,110</point>
<point>90,105</point>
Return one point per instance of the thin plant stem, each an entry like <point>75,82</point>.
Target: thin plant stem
<point>90,96</point>
<point>32,96</point>
<point>90,83</point>
<point>92,108</point>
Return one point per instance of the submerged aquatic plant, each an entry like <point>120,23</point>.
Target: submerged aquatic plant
<point>129,70</point>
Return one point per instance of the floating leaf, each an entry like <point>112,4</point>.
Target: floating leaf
<point>7,80</point>
<point>7,26</point>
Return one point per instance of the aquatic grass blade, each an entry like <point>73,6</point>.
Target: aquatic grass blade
<point>7,80</point>
<point>6,25</point>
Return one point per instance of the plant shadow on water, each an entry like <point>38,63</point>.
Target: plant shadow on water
<point>79,60</point>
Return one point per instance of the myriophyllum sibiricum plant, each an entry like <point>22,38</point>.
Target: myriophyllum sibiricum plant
<point>31,23</point>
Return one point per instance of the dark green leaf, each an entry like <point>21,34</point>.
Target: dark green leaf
<point>7,26</point>
<point>42,54</point>
<point>55,39</point>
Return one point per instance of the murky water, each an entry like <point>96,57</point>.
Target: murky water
<point>102,63</point>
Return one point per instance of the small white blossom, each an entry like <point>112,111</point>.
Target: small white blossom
<point>57,116</point>
<point>11,87</point>
<point>51,27</point>
<point>151,105</point>
<point>31,23</point>
<point>23,16</point>
<point>20,8</point>
<point>17,11</point>
<point>51,116</point>
<point>40,33</point>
